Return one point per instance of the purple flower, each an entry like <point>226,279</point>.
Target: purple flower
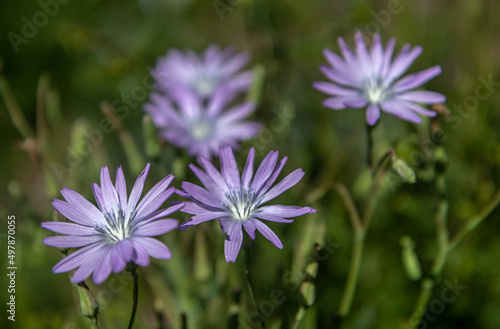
<point>239,203</point>
<point>204,74</point>
<point>117,232</point>
<point>200,126</point>
<point>373,79</point>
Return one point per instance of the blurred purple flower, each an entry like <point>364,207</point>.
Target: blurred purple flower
<point>117,232</point>
<point>239,203</point>
<point>203,74</point>
<point>200,126</point>
<point>371,78</point>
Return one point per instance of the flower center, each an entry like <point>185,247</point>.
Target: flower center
<point>118,227</point>
<point>241,203</point>
<point>201,128</point>
<point>203,85</point>
<point>375,90</point>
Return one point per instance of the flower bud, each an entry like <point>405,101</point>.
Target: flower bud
<point>404,171</point>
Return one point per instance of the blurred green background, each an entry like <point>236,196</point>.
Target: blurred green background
<point>102,50</point>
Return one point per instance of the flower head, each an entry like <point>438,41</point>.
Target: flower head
<point>116,232</point>
<point>373,79</point>
<point>203,74</point>
<point>200,126</point>
<point>238,202</point>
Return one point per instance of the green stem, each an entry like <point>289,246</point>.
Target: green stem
<point>248,276</point>
<point>442,238</point>
<point>423,300</point>
<point>352,278</point>
<point>369,146</point>
<point>475,221</point>
<point>135,295</point>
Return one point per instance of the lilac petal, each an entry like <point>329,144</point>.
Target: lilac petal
<point>333,89</point>
<point>156,227</point>
<point>68,228</point>
<point>125,250</point>
<point>192,208</point>
<point>182,193</point>
<point>271,217</point>
<point>357,102</point>
<point>239,112</point>
<point>377,54</point>
<point>402,62</point>
<point>197,219</point>
<point>339,103</point>
<point>87,267</point>
<point>121,188</point>
<point>136,192</point>
<point>400,111</point>
<point>250,228</point>
<point>110,197</point>
<point>416,79</point>
<point>76,258</point>
<point>229,168</point>
<point>363,56</point>
<point>73,212</point>
<point>285,211</point>
<point>71,241</point>
<point>149,207</point>
<point>207,181</point>
<point>218,101</point>
<point>141,255</point>
<point>232,244</point>
<point>334,59</point>
<point>424,97</point>
<point>163,212</point>
<point>265,170</point>
<point>116,259</point>
<point>152,196</point>
<point>200,194</point>
<point>213,173</point>
<point>268,234</point>
<point>154,248</point>
<point>247,174</point>
<point>339,76</point>
<point>273,177</point>
<point>99,198</point>
<point>102,270</point>
<point>346,51</point>
<point>372,114</point>
<point>389,50</point>
<point>419,109</point>
<point>287,182</point>
<point>92,214</point>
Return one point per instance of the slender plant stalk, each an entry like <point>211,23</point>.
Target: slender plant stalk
<point>475,221</point>
<point>248,276</point>
<point>369,146</point>
<point>352,278</point>
<point>135,295</point>
<point>360,229</point>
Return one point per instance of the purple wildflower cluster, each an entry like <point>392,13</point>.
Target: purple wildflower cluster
<point>193,109</point>
<point>192,104</point>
